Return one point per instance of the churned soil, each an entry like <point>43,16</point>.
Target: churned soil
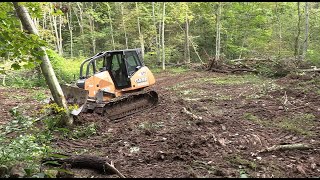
<point>206,127</point>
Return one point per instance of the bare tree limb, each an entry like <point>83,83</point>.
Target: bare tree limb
<point>111,166</point>
<point>286,147</point>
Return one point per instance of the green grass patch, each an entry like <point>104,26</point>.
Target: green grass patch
<point>83,131</point>
<point>232,80</point>
<point>150,125</point>
<point>238,160</point>
<point>223,97</point>
<point>17,97</point>
<point>191,92</point>
<point>308,86</point>
<point>255,119</point>
<point>67,70</point>
<point>39,95</point>
<point>177,87</point>
<point>24,79</point>
<point>27,146</point>
<point>196,164</point>
<point>299,124</point>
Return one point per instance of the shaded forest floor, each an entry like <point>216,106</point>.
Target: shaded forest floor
<point>233,118</point>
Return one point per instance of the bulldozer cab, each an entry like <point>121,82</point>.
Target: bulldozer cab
<point>121,65</point>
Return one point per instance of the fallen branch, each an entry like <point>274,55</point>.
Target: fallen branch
<point>193,116</point>
<point>311,70</point>
<point>252,59</point>
<point>43,116</point>
<point>221,67</point>
<point>89,162</point>
<point>111,166</point>
<point>219,70</point>
<point>243,69</point>
<point>286,147</point>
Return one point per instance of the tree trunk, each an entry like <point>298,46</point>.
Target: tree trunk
<point>69,20</point>
<point>80,18</point>
<point>35,21</point>
<point>93,38</point>
<point>159,31</point>
<point>218,14</point>
<point>44,23</point>
<point>80,21</point>
<point>54,20</point>
<point>193,45</point>
<point>305,44</point>
<point>139,30</point>
<point>124,26</point>
<point>111,29</point>
<point>46,66</point>
<point>91,19</point>
<point>155,26</point>
<point>52,29</point>
<point>60,37</point>
<point>187,49</point>
<point>195,50</point>
<point>44,20</point>
<point>280,30</point>
<point>91,23</point>
<point>163,49</point>
<point>296,44</point>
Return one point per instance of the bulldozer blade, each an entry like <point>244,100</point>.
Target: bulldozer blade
<point>75,95</point>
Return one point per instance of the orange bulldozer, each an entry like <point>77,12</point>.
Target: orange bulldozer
<point>115,84</point>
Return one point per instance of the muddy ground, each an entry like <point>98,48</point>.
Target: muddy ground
<point>208,125</point>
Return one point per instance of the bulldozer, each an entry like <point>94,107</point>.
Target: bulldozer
<point>114,84</point>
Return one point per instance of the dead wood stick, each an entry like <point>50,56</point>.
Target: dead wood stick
<point>286,147</point>
<point>193,116</point>
<point>311,70</point>
<point>88,162</point>
<point>43,116</point>
<point>4,80</point>
<point>248,70</point>
<point>206,53</point>
<point>255,59</point>
<point>111,166</point>
<point>219,70</point>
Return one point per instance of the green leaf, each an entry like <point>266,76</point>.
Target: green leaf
<point>243,176</point>
<point>63,170</point>
<point>15,66</point>
<point>29,65</point>
<point>38,175</point>
<point>57,156</point>
<point>28,171</point>
<point>52,162</point>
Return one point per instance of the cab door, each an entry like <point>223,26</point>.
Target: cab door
<point>118,71</point>
<point>133,62</point>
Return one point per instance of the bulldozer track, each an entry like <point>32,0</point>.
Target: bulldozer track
<point>128,104</point>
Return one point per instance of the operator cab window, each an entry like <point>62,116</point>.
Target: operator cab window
<point>118,71</point>
<point>132,62</point>
<point>100,65</point>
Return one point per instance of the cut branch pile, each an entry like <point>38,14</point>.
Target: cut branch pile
<point>314,69</point>
<point>218,65</point>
